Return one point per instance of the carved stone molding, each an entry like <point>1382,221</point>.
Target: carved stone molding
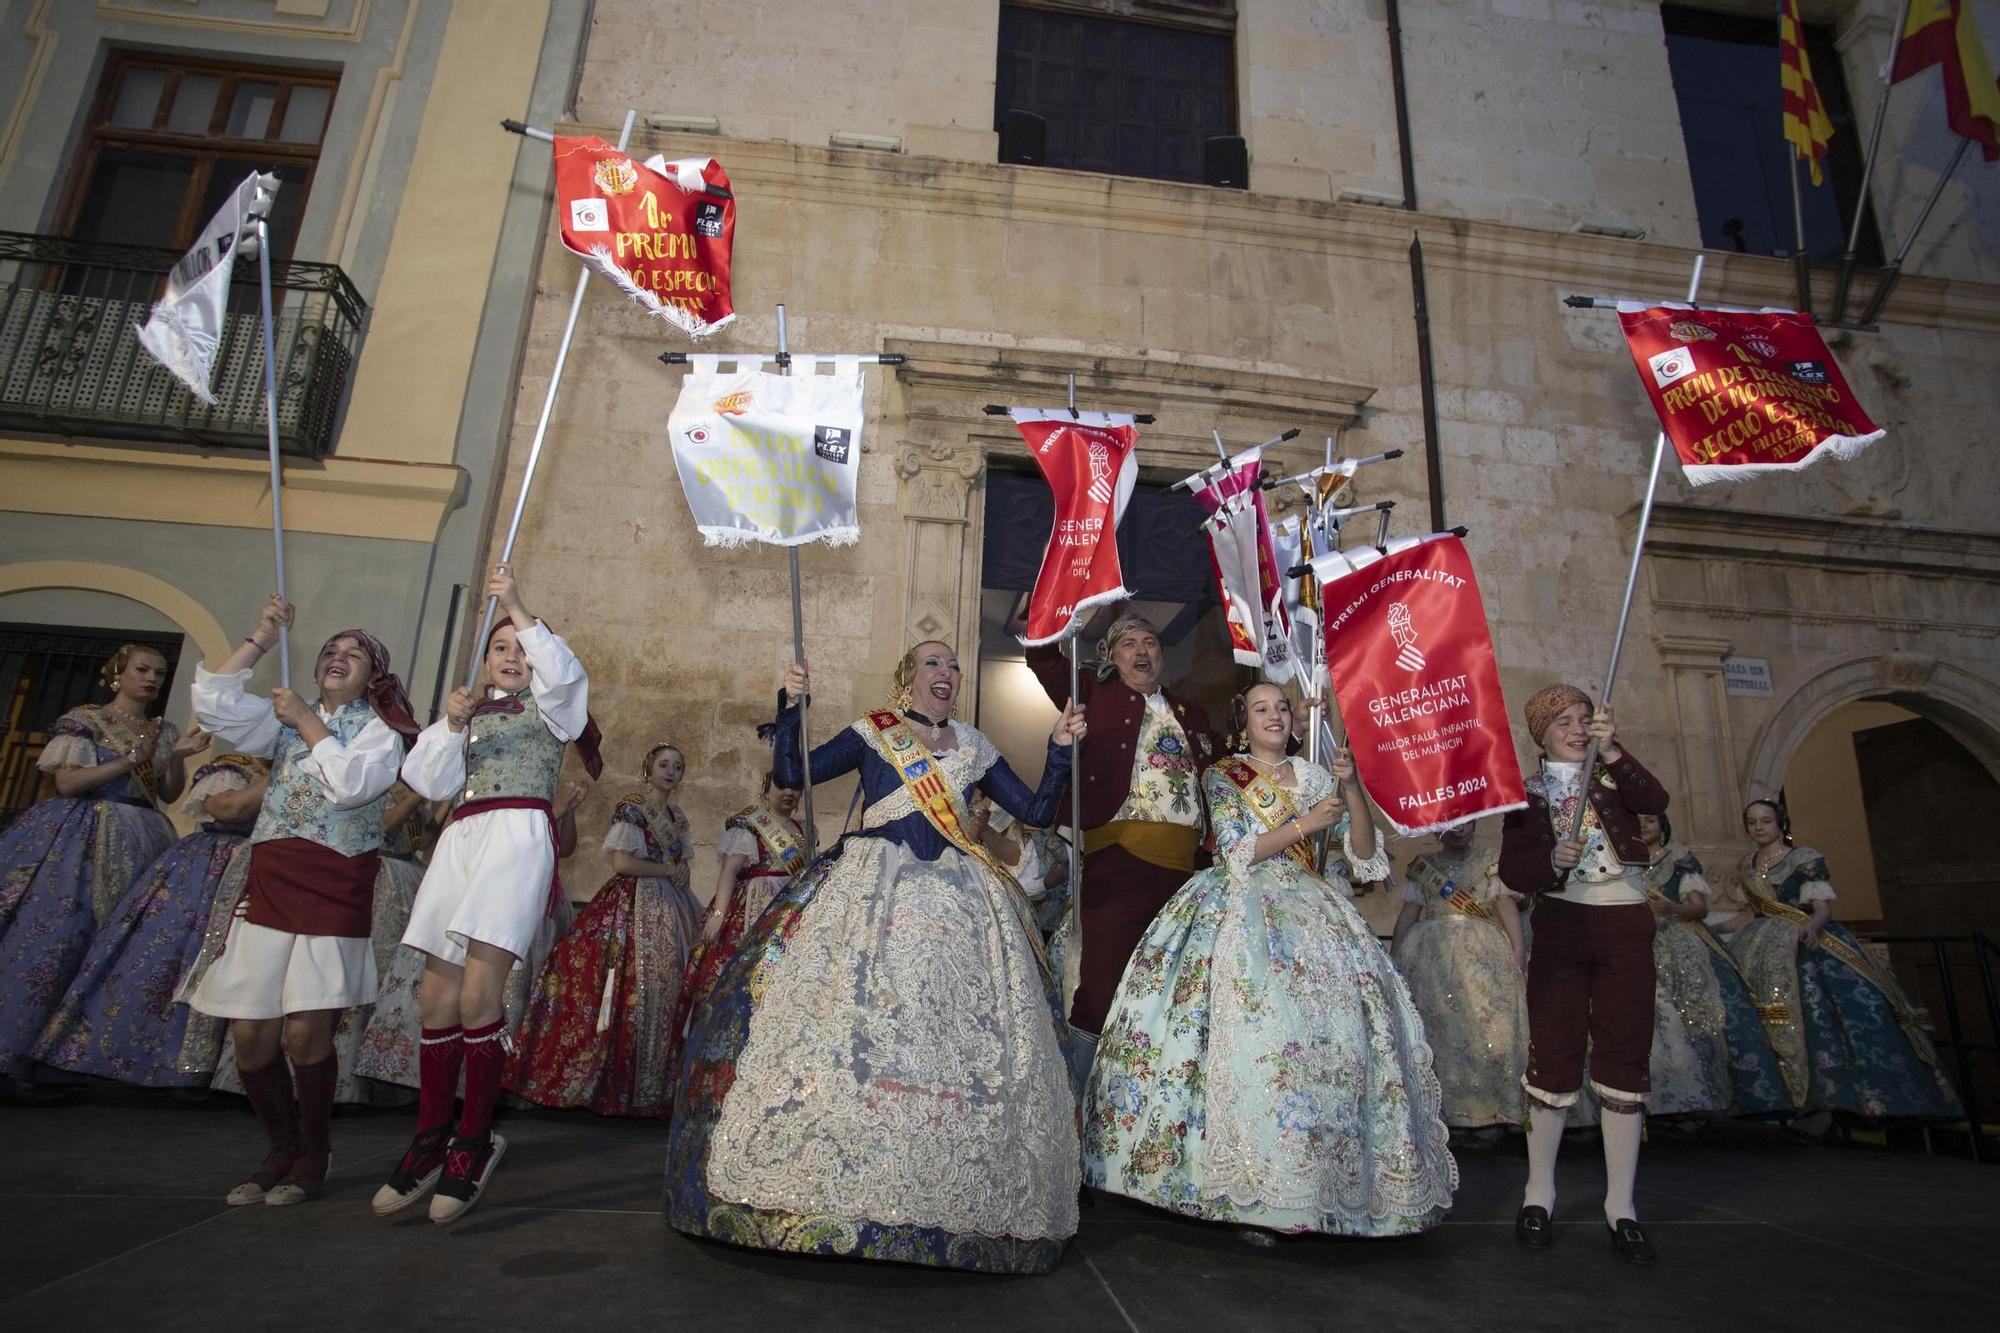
<point>1907,671</point>
<point>1705,793</point>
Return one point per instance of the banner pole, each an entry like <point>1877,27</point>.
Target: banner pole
<point>535,449</point>
<point>799,635</point>
<point>271,433</point>
<point>1801,262</point>
<point>1894,272</point>
<point>1075,790</point>
<point>1847,256</point>
<point>1631,582</point>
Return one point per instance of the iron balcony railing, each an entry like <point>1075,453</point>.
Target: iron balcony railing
<point>1968,1041</point>
<point>70,364</point>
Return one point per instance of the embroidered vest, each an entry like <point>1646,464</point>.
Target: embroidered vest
<point>1600,864</point>
<point>295,804</point>
<point>511,754</point>
<point>1163,775</point>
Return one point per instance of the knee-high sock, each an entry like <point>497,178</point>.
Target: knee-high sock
<point>316,1084</point>
<point>485,1058</point>
<point>1545,1136</point>
<point>440,1055</point>
<point>277,1106</point>
<point>1621,1163</point>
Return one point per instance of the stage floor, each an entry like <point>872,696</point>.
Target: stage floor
<point>111,1215</point>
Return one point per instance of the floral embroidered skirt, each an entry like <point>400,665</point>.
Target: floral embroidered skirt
<point>64,865</point>
<point>120,1019</point>
<point>1474,1003</point>
<point>599,1031</point>
<point>1263,1064</point>
<point>881,1072</point>
<point>1837,1033</point>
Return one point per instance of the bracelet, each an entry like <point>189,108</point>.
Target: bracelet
<point>252,641</point>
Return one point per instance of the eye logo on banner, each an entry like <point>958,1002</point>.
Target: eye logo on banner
<point>661,231</point>
<point>1430,734</point>
<point>769,458</point>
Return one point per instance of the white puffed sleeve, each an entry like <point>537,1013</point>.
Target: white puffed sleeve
<point>242,721</point>
<point>67,751</point>
<point>1411,893</point>
<point>1693,883</point>
<point>623,837</point>
<point>1817,891</point>
<point>733,842</point>
<point>1371,869</point>
<point>357,772</point>
<point>213,780</point>
<point>558,682</point>
<point>435,768</point>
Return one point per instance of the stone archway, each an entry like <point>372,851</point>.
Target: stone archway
<point>195,620</point>
<point>1958,700</point>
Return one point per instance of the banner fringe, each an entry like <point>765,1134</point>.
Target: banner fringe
<point>600,259</point>
<point>1419,830</point>
<point>731,538</point>
<point>1841,447</point>
<point>1077,616</point>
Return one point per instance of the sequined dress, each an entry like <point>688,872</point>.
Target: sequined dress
<point>65,863</point>
<point>1848,1037</point>
<point>882,1070</point>
<point>599,1031</point>
<point>1263,1063</point>
<point>120,1019</point>
<point>766,870</point>
<point>1460,968</point>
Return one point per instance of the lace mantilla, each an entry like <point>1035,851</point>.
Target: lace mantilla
<point>962,766</point>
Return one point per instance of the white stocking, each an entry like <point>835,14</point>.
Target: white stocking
<point>1545,1137</point>
<point>1621,1163</point>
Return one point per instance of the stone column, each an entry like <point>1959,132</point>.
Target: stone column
<point>941,536</point>
<point>1705,795</point>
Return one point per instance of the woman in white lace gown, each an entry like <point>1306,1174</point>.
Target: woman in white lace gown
<point>881,1070</point>
<point>1263,1063</point>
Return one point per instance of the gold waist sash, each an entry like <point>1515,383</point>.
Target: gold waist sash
<point>1169,846</point>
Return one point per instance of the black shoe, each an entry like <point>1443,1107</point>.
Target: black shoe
<point>1631,1243</point>
<point>1533,1228</point>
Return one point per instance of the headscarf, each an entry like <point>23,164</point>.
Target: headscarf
<point>589,745</point>
<point>1546,703</point>
<point>385,693</point>
<point>1129,623</point>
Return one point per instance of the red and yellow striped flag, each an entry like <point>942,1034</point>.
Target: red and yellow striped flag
<point>1806,127</point>
<point>1941,32</point>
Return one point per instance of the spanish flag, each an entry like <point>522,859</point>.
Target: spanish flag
<point>1941,32</point>
<point>1806,125</point>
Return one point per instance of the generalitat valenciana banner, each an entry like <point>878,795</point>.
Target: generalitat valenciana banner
<point>1411,660</point>
<point>185,327</point>
<point>1088,460</point>
<point>1744,392</point>
<point>1242,553</point>
<point>770,458</point>
<point>662,231</point>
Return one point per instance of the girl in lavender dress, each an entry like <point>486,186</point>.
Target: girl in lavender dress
<point>120,1019</point>
<point>66,862</point>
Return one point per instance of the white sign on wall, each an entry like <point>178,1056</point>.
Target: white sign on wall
<point>1748,676</point>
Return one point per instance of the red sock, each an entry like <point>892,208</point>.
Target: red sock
<point>440,1055</point>
<point>485,1058</point>
<point>316,1083</point>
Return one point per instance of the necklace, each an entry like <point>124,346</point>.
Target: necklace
<point>933,731</point>
<point>1765,865</point>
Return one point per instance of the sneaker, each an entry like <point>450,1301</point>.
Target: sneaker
<point>416,1174</point>
<point>276,1166</point>
<point>304,1181</point>
<point>468,1165</point>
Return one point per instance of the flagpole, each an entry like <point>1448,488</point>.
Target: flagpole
<point>478,652</point>
<point>799,635</point>
<point>1801,263</point>
<point>1880,297</point>
<point>271,434</point>
<point>1076,742</point>
<point>1632,578</point>
<point>1847,256</point>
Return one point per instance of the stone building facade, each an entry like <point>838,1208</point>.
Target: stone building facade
<point>1535,128</point>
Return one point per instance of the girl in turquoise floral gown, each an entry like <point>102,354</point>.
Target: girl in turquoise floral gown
<point>1847,1035</point>
<point>1263,1063</point>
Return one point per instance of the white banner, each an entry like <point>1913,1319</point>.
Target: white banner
<point>1289,544</point>
<point>185,327</point>
<point>770,458</point>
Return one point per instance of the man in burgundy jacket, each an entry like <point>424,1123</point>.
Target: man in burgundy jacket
<point>1590,971</point>
<point>1143,821</point>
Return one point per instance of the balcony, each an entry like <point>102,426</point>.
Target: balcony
<point>70,364</point>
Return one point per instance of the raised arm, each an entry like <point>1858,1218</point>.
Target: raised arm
<point>840,755</point>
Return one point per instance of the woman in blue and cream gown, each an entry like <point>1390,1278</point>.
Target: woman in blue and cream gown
<point>881,1070</point>
<point>1263,1063</point>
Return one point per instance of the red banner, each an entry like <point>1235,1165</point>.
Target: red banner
<point>1744,392</point>
<point>1411,660</point>
<point>1241,553</point>
<point>1089,464</point>
<point>662,231</point>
